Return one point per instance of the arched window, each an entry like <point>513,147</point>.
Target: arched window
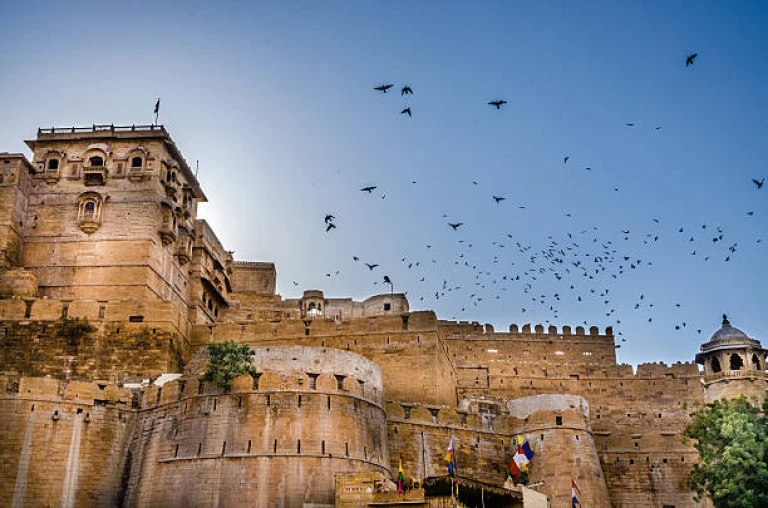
<point>89,211</point>
<point>715,364</point>
<point>96,161</point>
<point>755,362</point>
<point>53,164</point>
<point>137,162</point>
<point>736,362</point>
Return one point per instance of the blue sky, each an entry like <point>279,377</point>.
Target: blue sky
<point>276,101</point>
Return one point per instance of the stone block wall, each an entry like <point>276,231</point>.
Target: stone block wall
<point>36,341</point>
<point>412,357</point>
<point>63,444</point>
<point>277,440</point>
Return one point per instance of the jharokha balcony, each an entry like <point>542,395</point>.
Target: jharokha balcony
<point>95,175</point>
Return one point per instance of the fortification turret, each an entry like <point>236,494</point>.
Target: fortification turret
<point>734,364</point>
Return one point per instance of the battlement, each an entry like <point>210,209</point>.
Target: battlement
<point>74,391</point>
<point>465,329</point>
<point>129,311</point>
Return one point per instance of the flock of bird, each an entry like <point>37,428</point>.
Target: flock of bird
<point>584,264</point>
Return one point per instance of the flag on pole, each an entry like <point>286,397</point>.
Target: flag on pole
<point>450,458</point>
<point>400,476</point>
<point>574,499</point>
<point>157,106</point>
<point>512,469</point>
<point>524,447</point>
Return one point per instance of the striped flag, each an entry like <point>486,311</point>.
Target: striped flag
<point>574,489</point>
<point>400,476</point>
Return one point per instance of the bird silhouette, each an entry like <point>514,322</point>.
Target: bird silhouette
<point>690,58</point>
<point>498,104</point>
<point>406,90</point>
<point>368,189</point>
<point>760,183</point>
<point>455,225</point>
<point>329,218</point>
<point>498,198</point>
<point>565,159</point>
<point>330,226</point>
<point>629,124</point>
<point>387,280</point>
<point>407,111</point>
<point>383,88</point>
<point>371,266</point>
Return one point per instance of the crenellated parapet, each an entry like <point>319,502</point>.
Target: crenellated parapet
<point>311,411</point>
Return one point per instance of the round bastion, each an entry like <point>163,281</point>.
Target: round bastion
<point>276,439</point>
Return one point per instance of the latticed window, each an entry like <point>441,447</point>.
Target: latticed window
<point>89,211</point>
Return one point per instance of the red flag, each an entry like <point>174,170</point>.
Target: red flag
<point>513,469</point>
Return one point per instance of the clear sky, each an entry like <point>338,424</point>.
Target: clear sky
<point>276,101</point>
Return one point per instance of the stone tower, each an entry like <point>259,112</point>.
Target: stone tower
<point>734,364</point>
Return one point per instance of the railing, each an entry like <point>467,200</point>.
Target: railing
<point>102,128</point>
<point>736,373</point>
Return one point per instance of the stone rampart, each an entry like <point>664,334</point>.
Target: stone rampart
<point>63,444</point>
<point>128,339</point>
<point>277,439</point>
<point>413,359</point>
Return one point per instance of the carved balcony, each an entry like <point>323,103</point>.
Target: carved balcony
<point>95,175</point>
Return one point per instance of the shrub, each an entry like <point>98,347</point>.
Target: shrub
<point>228,361</point>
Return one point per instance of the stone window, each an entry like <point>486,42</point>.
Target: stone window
<point>736,362</point>
<point>89,207</point>
<point>53,164</point>
<point>558,420</point>
<point>96,161</point>
<point>755,362</point>
<point>137,162</point>
<point>387,307</point>
<point>715,364</point>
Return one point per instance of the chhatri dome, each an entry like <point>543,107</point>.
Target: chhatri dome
<point>726,331</point>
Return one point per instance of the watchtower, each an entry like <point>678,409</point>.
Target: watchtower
<point>734,364</point>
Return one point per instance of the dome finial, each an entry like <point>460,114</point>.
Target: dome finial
<point>725,320</point>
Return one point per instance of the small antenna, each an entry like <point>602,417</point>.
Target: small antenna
<point>197,167</point>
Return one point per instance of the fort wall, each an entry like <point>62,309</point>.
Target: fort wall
<point>130,339</point>
<point>277,439</point>
<point>63,444</point>
<point>411,355</point>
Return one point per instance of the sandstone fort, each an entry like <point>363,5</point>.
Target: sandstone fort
<point>111,289</point>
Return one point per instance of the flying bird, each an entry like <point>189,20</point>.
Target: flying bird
<point>368,189</point>
<point>406,90</point>
<point>565,159</point>
<point>407,111</point>
<point>760,183</point>
<point>370,266</point>
<point>455,225</point>
<point>383,88</point>
<point>498,104</point>
<point>629,124</point>
<point>498,198</point>
<point>330,226</point>
<point>329,218</point>
<point>690,58</point>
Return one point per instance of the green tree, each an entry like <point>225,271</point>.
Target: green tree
<point>228,361</point>
<point>732,440</point>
